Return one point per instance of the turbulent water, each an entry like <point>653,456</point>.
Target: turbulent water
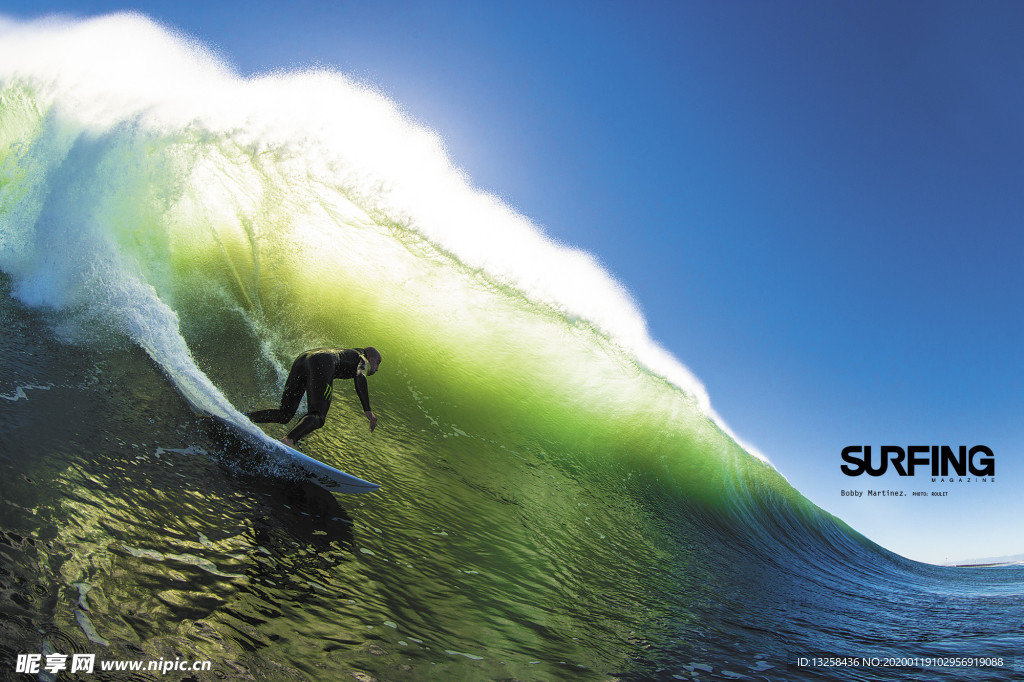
<point>559,500</point>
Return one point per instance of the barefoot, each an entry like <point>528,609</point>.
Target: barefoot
<point>288,441</point>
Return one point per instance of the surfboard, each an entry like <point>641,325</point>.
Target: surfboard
<point>332,479</point>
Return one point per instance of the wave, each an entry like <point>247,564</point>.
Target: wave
<point>225,224</point>
<point>124,126</point>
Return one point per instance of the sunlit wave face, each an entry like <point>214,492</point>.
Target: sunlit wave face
<point>301,152</point>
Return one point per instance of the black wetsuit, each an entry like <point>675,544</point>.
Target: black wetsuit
<point>313,373</point>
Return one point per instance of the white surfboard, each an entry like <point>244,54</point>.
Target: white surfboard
<point>332,479</point>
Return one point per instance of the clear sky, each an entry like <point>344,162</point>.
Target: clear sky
<point>818,205</point>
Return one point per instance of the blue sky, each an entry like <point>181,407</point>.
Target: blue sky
<point>817,205</point>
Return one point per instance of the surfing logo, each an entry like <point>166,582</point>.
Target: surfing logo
<point>941,460</point>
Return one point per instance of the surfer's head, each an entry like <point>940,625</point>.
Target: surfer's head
<point>373,358</point>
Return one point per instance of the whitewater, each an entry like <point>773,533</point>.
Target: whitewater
<point>560,499</point>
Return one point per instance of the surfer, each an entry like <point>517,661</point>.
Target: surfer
<point>313,372</point>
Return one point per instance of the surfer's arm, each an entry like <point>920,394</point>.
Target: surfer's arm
<point>363,391</point>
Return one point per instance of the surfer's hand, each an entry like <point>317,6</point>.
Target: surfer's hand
<point>373,420</point>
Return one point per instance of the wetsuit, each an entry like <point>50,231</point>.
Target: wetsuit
<point>313,373</point>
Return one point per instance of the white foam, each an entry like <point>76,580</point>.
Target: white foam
<point>89,629</point>
<point>19,392</point>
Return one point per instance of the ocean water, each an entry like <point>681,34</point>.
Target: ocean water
<point>560,501</point>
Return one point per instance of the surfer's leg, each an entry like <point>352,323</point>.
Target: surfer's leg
<point>290,397</point>
<point>319,387</point>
